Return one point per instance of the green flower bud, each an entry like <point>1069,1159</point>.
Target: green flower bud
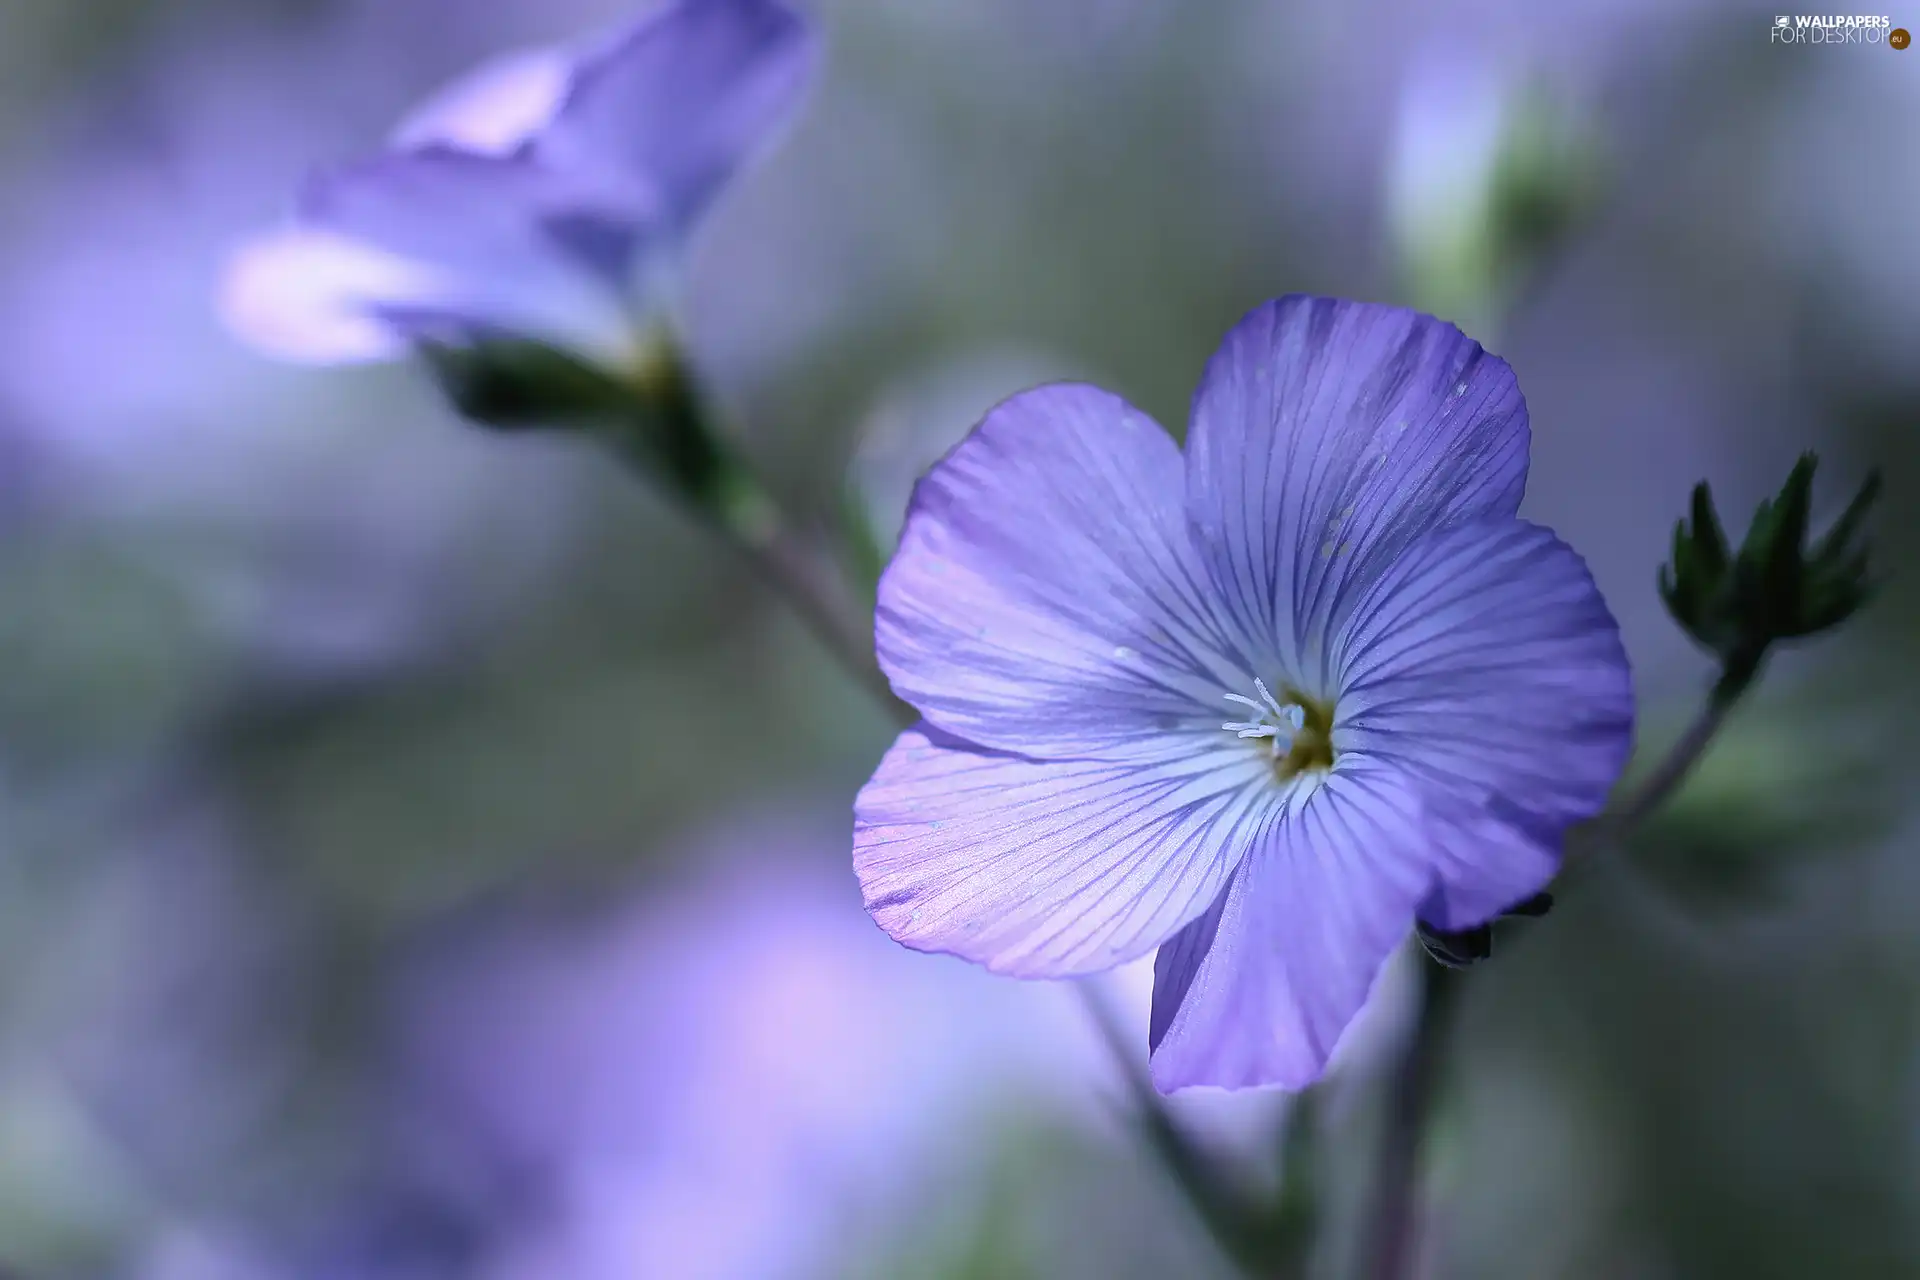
<point>1776,587</point>
<point>1489,177</point>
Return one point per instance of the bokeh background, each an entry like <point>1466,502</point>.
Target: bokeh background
<point>423,854</point>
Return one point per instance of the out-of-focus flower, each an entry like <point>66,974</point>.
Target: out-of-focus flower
<point>1425,690</point>
<point>1486,177</point>
<point>919,418</point>
<point>543,198</point>
<point>720,1073</point>
<point>735,1076</point>
<point>306,529</point>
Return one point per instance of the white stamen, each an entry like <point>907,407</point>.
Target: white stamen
<point>1271,718</point>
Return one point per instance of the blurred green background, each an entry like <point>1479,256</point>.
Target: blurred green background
<point>320,711</point>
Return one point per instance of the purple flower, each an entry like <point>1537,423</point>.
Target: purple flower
<point>358,533</point>
<point>1260,707</point>
<point>543,197</point>
<point>728,1074</point>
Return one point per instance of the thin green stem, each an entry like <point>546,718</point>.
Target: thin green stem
<point>1229,1214</point>
<point>1390,1239</point>
<point>673,434</point>
<point>808,579</point>
<point>1685,753</point>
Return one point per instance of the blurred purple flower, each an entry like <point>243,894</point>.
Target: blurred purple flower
<point>921,416</point>
<point>733,1076</point>
<point>309,529</point>
<point>1424,691</point>
<point>728,1074</point>
<point>542,197</point>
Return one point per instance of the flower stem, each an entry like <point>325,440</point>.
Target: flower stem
<point>1390,1237</point>
<point>1680,759</point>
<point>1389,1243</point>
<point>805,580</point>
<point>672,434</point>
<point>1230,1215</point>
<point>808,581</point>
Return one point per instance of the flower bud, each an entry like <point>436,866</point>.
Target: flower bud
<point>1486,179</point>
<point>1776,587</point>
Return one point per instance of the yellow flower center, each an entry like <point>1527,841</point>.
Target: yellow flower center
<point>1295,730</point>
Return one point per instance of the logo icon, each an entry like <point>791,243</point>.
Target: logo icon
<point>1899,38</point>
<point>1783,21</point>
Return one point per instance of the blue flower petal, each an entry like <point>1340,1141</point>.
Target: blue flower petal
<point>533,199</point>
<point>1259,989</point>
<point>496,108</point>
<point>314,296</point>
<point>1045,869</point>
<point>686,97</point>
<point>1486,666</point>
<point>1327,435</point>
<point>1045,597</point>
<point>1345,526</point>
<point>1177,963</point>
<point>465,245</point>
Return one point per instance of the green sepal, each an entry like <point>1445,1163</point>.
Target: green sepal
<point>1776,587</point>
<point>1458,948</point>
<point>511,384</point>
<point>650,412</point>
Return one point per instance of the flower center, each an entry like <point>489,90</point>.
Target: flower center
<point>1297,729</point>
